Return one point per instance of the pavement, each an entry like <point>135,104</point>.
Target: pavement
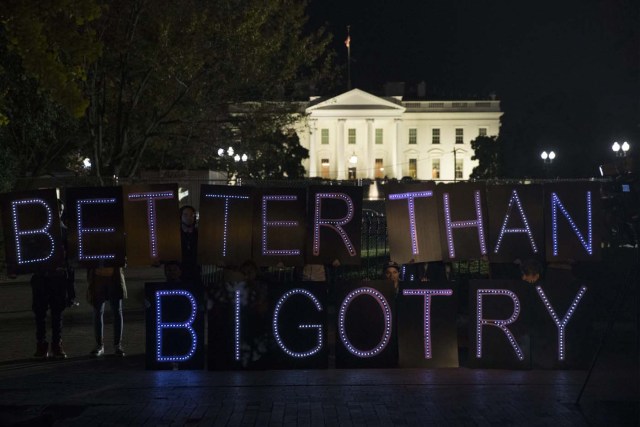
<point>114,391</point>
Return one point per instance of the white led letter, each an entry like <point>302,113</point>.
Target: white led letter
<point>386,310</point>
<point>561,324</point>
<point>500,324</point>
<point>515,200</point>
<point>188,325</point>
<point>450,225</point>
<point>82,231</point>
<point>317,327</point>
<point>427,293</point>
<point>225,230</point>
<point>587,243</point>
<point>151,198</point>
<point>266,223</point>
<point>334,224</point>
<point>412,214</point>
<point>18,233</point>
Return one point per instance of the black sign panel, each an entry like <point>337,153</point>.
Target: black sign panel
<point>463,221</point>
<point>335,225</point>
<point>279,227</point>
<point>239,325</point>
<point>32,232</point>
<point>96,226</point>
<point>563,336</point>
<point>500,324</point>
<point>366,335</point>
<point>427,326</point>
<point>515,223</point>
<point>152,223</point>
<point>573,218</point>
<point>174,319</point>
<point>412,222</point>
<point>299,329</point>
<point>225,230</point>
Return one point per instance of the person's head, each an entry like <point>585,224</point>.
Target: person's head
<point>392,271</point>
<point>531,270</point>
<point>188,215</point>
<point>172,271</point>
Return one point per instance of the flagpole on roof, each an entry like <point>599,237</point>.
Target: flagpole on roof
<point>347,42</point>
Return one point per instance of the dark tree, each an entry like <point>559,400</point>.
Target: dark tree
<point>487,151</point>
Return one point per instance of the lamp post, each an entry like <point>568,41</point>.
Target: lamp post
<point>226,156</point>
<point>547,159</point>
<point>620,150</point>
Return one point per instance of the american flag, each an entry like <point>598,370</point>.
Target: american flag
<point>347,42</point>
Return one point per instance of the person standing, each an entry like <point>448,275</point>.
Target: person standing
<point>52,290</point>
<point>107,284</point>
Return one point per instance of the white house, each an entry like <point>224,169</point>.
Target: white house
<point>360,135</point>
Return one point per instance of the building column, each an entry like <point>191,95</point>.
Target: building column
<point>313,155</point>
<point>340,154</point>
<point>395,150</point>
<point>368,158</point>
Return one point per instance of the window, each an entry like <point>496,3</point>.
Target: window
<point>325,167</point>
<point>324,136</point>
<point>352,136</point>
<point>435,169</point>
<point>459,136</point>
<point>413,168</point>
<point>435,136</point>
<point>459,168</point>
<point>482,132</point>
<point>378,136</point>
<point>413,136</point>
<point>379,169</point>
<point>352,173</point>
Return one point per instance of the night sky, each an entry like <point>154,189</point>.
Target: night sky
<point>567,71</point>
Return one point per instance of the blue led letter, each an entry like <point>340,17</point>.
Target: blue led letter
<point>450,225</point>
<point>188,325</point>
<point>18,233</point>
<point>151,198</point>
<point>412,214</point>
<point>317,327</point>
<point>561,324</point>
<point>334,224</point>
<point>515,200</point>
<point>587,243</point>
<point>427,293</point>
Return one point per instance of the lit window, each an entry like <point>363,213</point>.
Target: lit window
<point>379,139</point>
<point>413,168</point>
<point>352,136</point>
<point>325,167</point>
<point>435,136</point>
<point>435,169</point>
<point>379,171</point>
<point>482,132</point>
<point>325,136</point>
<point>459,136</point>
<point>413,136</point>
<point>459,168</point>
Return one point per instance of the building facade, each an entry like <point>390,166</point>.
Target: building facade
<point>357,135</point>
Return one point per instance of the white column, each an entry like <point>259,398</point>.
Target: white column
<point>396,150</point>
<point>368,158</point>
<point>340,154</point>
<point>313,155</point>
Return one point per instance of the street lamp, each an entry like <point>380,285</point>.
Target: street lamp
<point>229,154</point>
<point>353,159</point>
<point>547,159</point>
<point>620,150</point>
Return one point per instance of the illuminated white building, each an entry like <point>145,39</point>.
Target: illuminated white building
<point>360,135</point>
